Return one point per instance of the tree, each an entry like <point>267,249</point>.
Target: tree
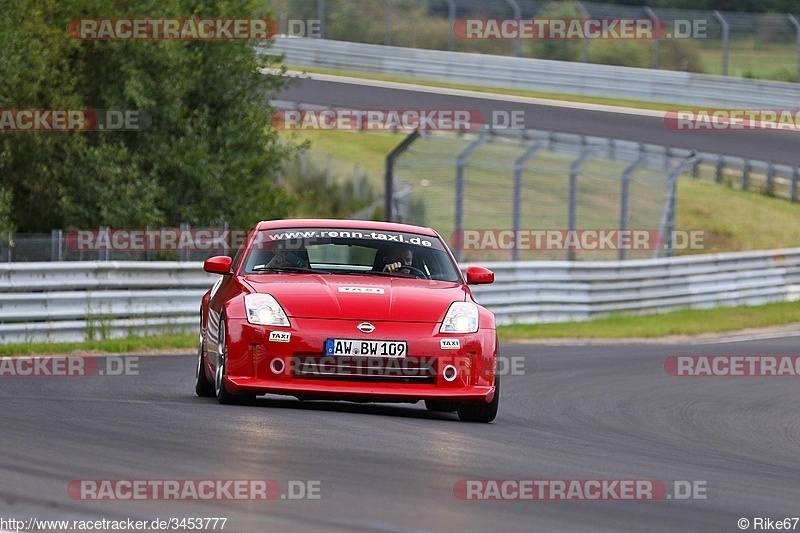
<point>208,155</point>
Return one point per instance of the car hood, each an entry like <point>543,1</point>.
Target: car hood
<point>357,297</point>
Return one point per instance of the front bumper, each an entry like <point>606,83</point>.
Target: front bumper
<point>258,365</point>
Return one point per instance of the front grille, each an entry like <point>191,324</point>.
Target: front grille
<point>406,370</point>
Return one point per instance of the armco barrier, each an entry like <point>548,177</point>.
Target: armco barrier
<point>73,301</point>
<point>542,75</point>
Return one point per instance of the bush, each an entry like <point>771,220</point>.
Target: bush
<point>619,52</point>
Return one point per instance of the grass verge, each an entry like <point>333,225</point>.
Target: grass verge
<point>683,322</point>
<point>186,341</point>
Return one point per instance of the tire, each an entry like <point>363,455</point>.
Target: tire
<point>222,394</point>
<point>481,412</point>
<point>439,406</point>
<point>202,386</point>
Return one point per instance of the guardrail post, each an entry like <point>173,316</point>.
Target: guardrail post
<point>516,215</point>
<point>793,191</point>
<point>655,19</point>
<point>517,15</point>
<point>574,168</point>
<point>720,162</point>
<point>388,177</point>
<point>623,200</point>
<point>461,163</point>
<point>796,25</point>
<point>725,40</point>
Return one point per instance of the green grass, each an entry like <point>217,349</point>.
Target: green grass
<point>123,345</point>
<point>683,322</point>
<point>775,62</point>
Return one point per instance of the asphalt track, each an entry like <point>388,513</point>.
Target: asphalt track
<point>767,145</point>
<point>577,412</point>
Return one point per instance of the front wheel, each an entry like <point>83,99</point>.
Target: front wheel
<point>202,386</point>
<point>481,412</point>
<point>222,394</point>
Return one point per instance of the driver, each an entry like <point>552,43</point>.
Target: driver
<point>398,258</point>
<point>285,259</point>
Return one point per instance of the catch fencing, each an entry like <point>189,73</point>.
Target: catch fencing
<point>740,44</point>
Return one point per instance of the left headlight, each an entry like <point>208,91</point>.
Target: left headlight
<point>462,317</point>
<point>264,309</point>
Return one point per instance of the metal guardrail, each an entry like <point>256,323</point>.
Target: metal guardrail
<point>78,300</point>
<point>557,291</point>
<point>542,75</point>
<point>73,301</point>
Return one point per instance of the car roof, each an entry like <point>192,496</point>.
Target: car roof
<point>343,224</point>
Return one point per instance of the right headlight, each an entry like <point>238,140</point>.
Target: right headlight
<point>264,309</point>
<point>461,317</point>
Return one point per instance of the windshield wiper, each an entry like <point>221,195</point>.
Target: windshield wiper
<point>378,273</point>
<point>289,269</point>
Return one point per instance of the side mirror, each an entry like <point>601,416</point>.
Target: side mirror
<point>220,264</point>
<point>479,276</point>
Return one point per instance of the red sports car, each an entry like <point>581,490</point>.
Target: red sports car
<point>348,310</point>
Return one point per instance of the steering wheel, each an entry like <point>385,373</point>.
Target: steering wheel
<point>416,271</point>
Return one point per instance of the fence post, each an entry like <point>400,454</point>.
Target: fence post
<point>725,40</point>
<point>103,255</point>
<point>657,38</point>
<point>517,15</point>
<point>321,17</point>
<point>796,25</point>
<point>626,178</point>
<point>387,39</point>
<point>516,216</point>
<point>451,21</point>
<point>574,168</point>
<point>770,179</point>
<point>388,177</point>
<point>795,176</point>
<point>584,42</point>
<point>56,249</point>
<point>720,162</point>
<point>745,174</point>
<point>461,163</point>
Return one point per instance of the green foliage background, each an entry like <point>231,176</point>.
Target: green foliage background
<point>210,154</point>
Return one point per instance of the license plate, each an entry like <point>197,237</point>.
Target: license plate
<point>364,348</point>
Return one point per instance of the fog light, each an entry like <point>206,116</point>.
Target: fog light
<point>449,373</point>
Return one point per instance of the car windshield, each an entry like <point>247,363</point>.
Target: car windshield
<point>350,252</point>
